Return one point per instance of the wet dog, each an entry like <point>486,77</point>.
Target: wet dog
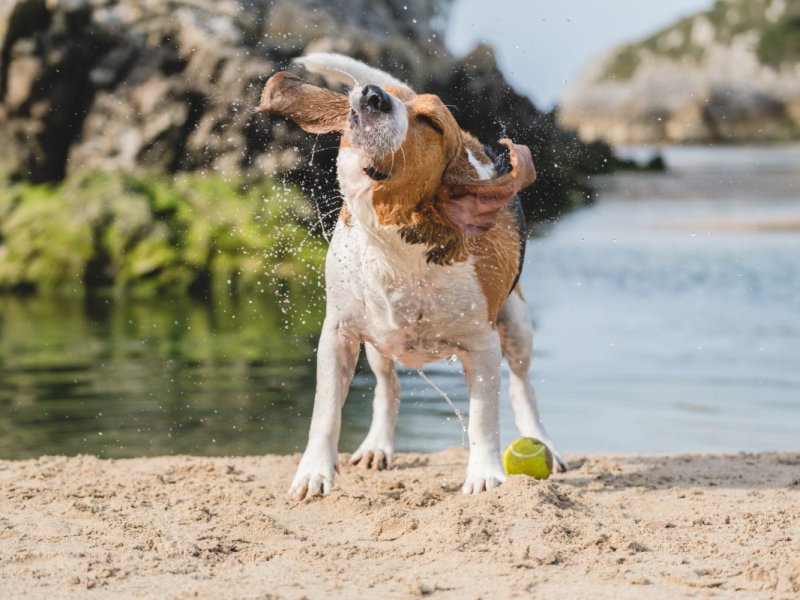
<point>423,264</point>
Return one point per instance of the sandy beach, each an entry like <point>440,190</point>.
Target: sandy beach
<point>192,527</point>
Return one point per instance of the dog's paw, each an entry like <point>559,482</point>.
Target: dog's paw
<point>483,475</point>
<point>371,455</point>
<point>559,466</point>
<point>313,479</point>
<point>377,459</point>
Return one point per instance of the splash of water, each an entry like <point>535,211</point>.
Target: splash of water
<point>443,394</point>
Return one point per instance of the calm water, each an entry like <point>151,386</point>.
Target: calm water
<point>668,319</point>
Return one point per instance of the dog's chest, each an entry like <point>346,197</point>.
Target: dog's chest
<point>424,315</point>
<point>412,311</point>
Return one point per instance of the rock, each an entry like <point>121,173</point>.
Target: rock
<point>728,74</point>
<point>171,85</point>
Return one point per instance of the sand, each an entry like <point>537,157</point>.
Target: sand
<point>191,527</point>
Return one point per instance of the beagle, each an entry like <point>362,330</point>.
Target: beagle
<point>423,264</point>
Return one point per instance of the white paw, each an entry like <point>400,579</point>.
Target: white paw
<point>559,466</point>
<point>483,475</point>
<point>313,478</point>
<point>377,455</point>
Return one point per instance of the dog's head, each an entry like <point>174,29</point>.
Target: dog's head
<point>408,147</point>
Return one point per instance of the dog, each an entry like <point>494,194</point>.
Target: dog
<point>423,264</point>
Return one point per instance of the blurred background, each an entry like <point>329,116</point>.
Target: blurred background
<point>161,244</point>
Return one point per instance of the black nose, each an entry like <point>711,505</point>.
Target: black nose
<point>374,97</point>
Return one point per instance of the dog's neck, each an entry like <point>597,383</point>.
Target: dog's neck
<point>440,243</point>
<point>356,188</point>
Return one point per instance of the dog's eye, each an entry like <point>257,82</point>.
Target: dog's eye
<point>430,123</point>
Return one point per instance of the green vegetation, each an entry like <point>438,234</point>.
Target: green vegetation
<point>675,43</point>
<point>623,65</point>
<point>732,17</point>
<point>137,236</point>
<point>780,43</point>
<point>778,40</point>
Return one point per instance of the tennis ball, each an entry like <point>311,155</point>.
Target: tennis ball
<point>527,456</point>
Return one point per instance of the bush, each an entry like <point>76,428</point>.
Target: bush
<point>124,235</point>
<point>780,43</point>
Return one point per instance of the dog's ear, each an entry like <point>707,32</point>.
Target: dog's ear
<point>472,207</point>
<point>315,109</point>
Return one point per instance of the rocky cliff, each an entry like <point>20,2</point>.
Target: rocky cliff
<point>170,85</point>
<point>729,74</point>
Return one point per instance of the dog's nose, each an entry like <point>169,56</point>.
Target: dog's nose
<point>374,97</point>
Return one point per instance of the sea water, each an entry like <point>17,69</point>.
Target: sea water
<point>667,320</point>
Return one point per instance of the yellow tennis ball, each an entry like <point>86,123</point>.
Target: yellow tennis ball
<point>527,456</point>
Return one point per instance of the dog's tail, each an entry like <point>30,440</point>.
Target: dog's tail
<point>347,70</point>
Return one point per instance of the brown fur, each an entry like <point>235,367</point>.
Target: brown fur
<point>431,181</point>
<point>418,167</point>
<point>315,109</point>
<point>497,256</point>
<point>445,244</point>
<point>421,172</point>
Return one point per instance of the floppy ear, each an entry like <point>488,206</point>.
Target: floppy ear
<point>315,109</point>
<point>472,208</point>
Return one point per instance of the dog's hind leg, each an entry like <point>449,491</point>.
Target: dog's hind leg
<point>377,450</point>
<point>482,371</point>
<point>516,338</point>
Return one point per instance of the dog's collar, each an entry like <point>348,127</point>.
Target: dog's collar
<point>373,173</point>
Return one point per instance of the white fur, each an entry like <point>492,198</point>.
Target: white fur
<point>483,170</point>
<point>383,291</point>
<point>516,336</point>
<point>378,134</point>
<point>356,187</point>
<point>403,297</point>
<point>377,449</point>
<point>344,69</point>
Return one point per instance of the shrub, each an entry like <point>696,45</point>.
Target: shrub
<point>189,234</point>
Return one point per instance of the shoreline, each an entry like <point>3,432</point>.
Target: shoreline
<point>614,526</point>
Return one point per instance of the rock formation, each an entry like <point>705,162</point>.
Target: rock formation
<point>729,74</point>
<point>170,85</point>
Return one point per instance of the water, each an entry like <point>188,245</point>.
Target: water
<point>669,314</point>
<point>145,379</point>
<point>668,319</point>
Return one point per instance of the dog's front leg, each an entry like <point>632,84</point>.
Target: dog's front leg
<point>336,360</point>
<point>482,369</point>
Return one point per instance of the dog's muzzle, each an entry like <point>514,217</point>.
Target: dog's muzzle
<point>378,125</point>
